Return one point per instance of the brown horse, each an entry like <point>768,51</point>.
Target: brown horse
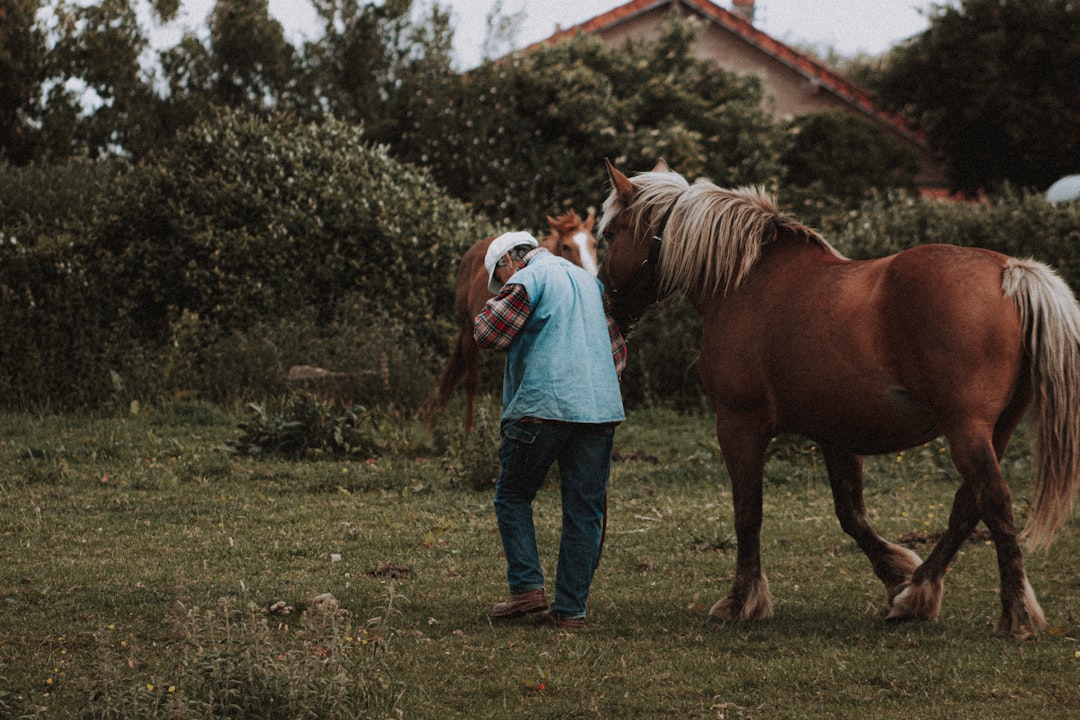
<point>862,357</point>
<point>570,237</point>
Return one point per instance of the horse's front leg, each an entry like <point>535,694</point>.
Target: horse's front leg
<point>749,597</point>
<point>892,564</point>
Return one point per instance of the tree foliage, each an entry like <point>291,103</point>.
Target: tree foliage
<point>993,83</point>
<point>835,159</point>
<point>251,63</point>
<point>527,135</point>
<point>22,54</point>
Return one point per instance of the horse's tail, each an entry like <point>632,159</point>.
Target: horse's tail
<point>448,379</point>
<point>1051,321</point>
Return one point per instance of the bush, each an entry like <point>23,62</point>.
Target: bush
<point>306,427</point>
<point>835,160</point>
<point>251,244</point>
<point>662,356</point>
<point>1015,223</point>
<point>247,220</point>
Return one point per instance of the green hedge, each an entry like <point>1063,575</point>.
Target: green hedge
<point>1022,224</point>
<point>251,245</point>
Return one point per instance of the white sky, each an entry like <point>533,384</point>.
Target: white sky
<point>848,26</point>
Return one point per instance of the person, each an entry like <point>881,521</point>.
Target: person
<point>561,403</point>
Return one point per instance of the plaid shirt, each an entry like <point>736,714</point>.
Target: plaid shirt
<point>504,315</point>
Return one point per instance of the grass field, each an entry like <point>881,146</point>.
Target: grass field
<point>140,563</point>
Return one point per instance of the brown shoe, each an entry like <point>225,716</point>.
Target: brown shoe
<point>519,604</point>
<point>562,623</point>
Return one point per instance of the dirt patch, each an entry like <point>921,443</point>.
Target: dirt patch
<point>390,570</point>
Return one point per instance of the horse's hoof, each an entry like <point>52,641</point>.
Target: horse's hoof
<point>897,616</point>
<point>1024,631</point>
<point>892,592</point>
<point>918,601</point>
<point>723,613</point>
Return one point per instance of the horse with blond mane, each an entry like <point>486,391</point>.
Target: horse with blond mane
<point>569,237</point>
<point>862,357</point>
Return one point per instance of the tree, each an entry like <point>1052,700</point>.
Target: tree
<point>72,80</point>
<point>367,51</point>
<point>500,31</point>
<point>836,159</point>
<point>527,134</point>
<point>22,51</point>
<point>993,83</point>
<point>251,63</point>
<point>97,60</point>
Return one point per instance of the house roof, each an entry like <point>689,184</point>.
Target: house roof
<point>808,67</point>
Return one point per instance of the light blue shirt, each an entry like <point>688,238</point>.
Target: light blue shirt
<point>560,367</point>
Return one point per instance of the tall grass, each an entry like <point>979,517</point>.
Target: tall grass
<point>146,572</point>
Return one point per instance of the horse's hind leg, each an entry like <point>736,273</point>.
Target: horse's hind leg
<point>921,599</point>
<point>749,597</point>
<point>470,356</point>
<point>448,378</point>
<point>983,494</point>
<point>892,564</point>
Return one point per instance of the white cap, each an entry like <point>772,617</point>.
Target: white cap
<point>499,247</point>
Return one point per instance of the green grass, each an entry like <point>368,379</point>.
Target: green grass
<point>138,562</point>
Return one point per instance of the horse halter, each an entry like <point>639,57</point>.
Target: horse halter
<point>643,280</point>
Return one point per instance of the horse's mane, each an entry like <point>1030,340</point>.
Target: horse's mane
<point>712,236</point>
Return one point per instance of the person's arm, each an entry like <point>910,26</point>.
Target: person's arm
<point>502,318</point>
<point>618,342</point>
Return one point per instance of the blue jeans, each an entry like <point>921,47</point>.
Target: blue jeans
<point>527,452</point>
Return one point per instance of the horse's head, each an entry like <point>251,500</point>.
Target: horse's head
<point>572,238</point>
<point>632,227</point>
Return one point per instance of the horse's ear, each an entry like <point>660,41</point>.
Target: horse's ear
<point>552,222</point>
<point>588,224</point>
<point>622,185</point>
<point>661,166</point>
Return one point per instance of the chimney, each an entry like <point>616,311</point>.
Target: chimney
<point>743,9</point>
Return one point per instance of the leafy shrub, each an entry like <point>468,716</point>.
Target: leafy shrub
<point>662,356</point>
<point>56,317</point>
<point>247,220</point>
<point>307,427</point>
<point>169,283</point>
<point>835,160</point>
<point>1015,223</point>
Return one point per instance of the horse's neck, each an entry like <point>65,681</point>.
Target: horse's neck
<point>796,248</point>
